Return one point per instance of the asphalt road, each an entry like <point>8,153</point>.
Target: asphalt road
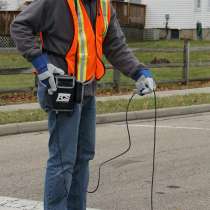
<point>182,171</point>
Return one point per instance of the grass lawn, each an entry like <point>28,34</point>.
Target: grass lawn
<point>148,103</point>
<point>172,57</point>
<point>111,107</point>
<point>12,60</point>
<point>162,74</point>
<point>27,80</point>
<point>168,44</point>
<point>17,81</point>
<point>22,116</point>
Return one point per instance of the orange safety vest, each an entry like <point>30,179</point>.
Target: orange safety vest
<point>84,58</point>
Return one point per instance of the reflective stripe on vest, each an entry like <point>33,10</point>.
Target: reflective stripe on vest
<point>85,55</point>
<point>82,46</point>
<point>105,10</point>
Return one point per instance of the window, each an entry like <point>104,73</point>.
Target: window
<point>198,5</point>
<point>174,34</point>
<point>208,3</point>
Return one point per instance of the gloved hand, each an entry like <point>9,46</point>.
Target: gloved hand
<point>145,83</point>
<point>46,72</point>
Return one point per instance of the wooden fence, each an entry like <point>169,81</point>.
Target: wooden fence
<point>185,65</point>
<point>129,14</point>
<point>116,81</point>
<point>6,17</point>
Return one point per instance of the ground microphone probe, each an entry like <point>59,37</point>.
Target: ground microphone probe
<point>124,152</point>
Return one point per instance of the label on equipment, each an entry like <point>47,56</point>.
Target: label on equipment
<point>63,97</point>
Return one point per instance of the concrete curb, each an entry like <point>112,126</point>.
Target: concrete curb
<point>26,127</point>
<point>18,128</point>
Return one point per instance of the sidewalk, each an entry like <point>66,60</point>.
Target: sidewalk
<point>7,203</point>
<point>112,98</point>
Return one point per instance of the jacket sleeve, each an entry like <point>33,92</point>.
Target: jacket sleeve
<point>116,50</point>
<point>26,26</point>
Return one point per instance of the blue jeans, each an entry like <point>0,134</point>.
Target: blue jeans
<point>71,147</point>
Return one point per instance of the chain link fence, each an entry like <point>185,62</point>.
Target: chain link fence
<point>6,42</point>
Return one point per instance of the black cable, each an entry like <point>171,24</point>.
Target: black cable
<point>129,146</point>
<point>154,151</point>
<point>121,154</point>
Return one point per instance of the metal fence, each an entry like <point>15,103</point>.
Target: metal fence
<point>6,42</point>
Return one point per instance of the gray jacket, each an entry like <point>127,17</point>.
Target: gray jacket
<point>54,20</point>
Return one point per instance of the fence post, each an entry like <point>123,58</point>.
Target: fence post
<point>186,66</point>
<point>116,80</point>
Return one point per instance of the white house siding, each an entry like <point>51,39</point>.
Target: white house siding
<point>180,11</point>
<point>183,13</point>
<point>203,15</point>
<point>13,5</point>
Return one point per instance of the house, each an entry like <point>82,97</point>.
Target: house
<point>131,16</point>
<point>9,9</point>
<point>177,19</point>
<point>157,19</point>
<point>12,5</point>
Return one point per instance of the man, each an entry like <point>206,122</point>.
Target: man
<point>75,34</point>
